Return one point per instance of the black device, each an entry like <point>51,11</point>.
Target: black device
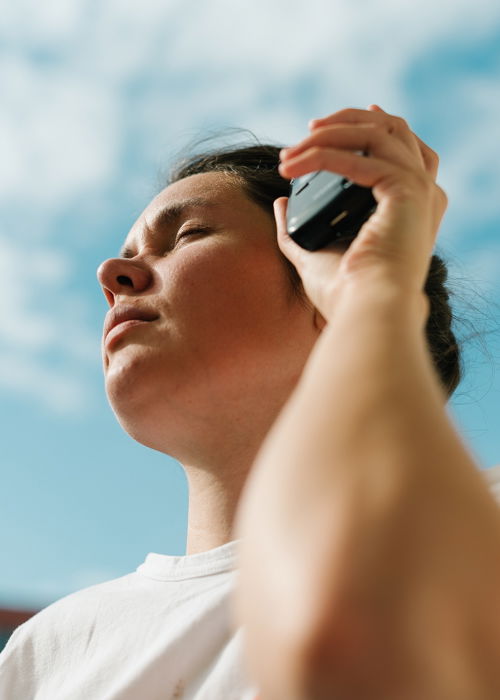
<point>324,208</point>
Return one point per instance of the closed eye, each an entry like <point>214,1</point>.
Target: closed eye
<point>191,232</point>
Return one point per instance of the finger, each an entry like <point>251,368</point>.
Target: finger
<point>286,244</point>
<point>395,125</point>
<point>280,206</point>
<point>358,168</point>
<point>372,139</point>
<point>430,157</point>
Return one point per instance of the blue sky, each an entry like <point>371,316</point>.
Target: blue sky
<point>97,98</point>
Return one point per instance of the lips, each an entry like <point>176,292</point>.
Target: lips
<point>126,312</point>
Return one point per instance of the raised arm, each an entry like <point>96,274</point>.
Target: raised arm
<point>370,561</point>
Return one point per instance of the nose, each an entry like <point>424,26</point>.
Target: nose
<point>122,276</point>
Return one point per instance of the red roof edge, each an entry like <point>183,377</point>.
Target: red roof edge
<point>10,617</point>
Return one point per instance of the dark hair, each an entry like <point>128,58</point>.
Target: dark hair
<point>255,167</point>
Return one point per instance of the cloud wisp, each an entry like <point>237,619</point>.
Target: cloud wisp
<point>95,100</point>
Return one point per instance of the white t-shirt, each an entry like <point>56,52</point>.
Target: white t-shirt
<point>161,632</point>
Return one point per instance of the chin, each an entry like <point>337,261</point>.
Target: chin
<point>130,382</point>
<point>150,430</point>
<point>138,415</point>
<point>137,396</point>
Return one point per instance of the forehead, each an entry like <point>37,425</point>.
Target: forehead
<point>194,194</point>
<point>214,185</point>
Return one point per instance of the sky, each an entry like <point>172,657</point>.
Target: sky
<point>98,96</point>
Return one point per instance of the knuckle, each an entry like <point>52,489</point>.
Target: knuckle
<point>400,123</point>
<point>414,187</point>
<point>443,197</point>
<point>433,156</point>
<point>422,185</point>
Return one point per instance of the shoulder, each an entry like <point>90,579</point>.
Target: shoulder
<point>67,617</point>
<point>40,651</point>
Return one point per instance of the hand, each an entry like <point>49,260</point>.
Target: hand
<point>395,244</point>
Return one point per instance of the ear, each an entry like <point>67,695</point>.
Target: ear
<point>319,321</point>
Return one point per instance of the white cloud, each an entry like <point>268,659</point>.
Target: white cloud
<point>470,169</point>
<point>38,322</point>
<point>59,390</point>
<point>21,273</point>
<point>215,61</point>
<point>83,82</point>
<point>36,308</point>
<point>34,22</point>
<point>59,131</point>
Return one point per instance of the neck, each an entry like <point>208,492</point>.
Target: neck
<point>213,500</point>
<point>217,465</point>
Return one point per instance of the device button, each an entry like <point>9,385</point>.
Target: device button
<point>306,184</point>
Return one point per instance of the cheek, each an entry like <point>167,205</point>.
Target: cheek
<point>226,316</point>
<point>223,289</point>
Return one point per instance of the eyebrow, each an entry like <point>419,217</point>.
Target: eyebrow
<point>168,215</point>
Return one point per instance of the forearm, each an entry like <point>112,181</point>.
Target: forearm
<point>366,425</point>
<point>369,405</point>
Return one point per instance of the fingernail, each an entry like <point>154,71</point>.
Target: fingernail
<point>314,122</point>
<point>281,168</point>
<point>287,152</point>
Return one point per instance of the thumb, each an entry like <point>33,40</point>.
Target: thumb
<point>286,244</point>
<point>280,206</point>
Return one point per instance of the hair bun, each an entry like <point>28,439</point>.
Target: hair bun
<point>444,349</point>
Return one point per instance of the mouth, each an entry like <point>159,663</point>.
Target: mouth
<point>113,335</point>
<point>120,319</point>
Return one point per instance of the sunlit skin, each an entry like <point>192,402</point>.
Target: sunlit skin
<point>380,554</point>
<point>204,382</point>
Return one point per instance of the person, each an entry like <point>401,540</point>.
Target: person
<point>341,540</point>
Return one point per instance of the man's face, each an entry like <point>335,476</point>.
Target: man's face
<point>220,334</point>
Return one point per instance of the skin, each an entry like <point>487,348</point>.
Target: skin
<point>204,382</point>
<point>397,597</point>
<point>376,572</point>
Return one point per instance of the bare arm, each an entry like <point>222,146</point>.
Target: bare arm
<point>370,562</point>
<point>367,512</point>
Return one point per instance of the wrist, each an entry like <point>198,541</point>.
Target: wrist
<point>378,299</point>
